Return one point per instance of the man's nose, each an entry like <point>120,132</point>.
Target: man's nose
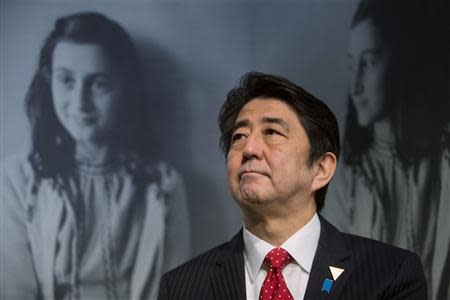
<point>254,147</point>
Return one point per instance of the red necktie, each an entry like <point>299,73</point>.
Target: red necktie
<point>274,286</point>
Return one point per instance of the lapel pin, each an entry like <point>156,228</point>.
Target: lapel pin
<point>336,272</point>
<point>328,283</point>
<point>326,286</point>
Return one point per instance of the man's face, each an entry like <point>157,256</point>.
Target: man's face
<point>267,160</point>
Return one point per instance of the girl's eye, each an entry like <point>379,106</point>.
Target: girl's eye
<point>101,85</point>
<point>370,60</point>
<point>66,80</point>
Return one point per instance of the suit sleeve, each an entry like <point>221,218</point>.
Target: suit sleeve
<point>163,293</point>
<point>409,282</point>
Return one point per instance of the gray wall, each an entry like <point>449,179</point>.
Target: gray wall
<point>194,52</point>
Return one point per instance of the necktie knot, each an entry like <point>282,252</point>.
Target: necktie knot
<point>277,258</point>
<point>274,287</point>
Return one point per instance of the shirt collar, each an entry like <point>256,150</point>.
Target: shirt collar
<point>301,245</point>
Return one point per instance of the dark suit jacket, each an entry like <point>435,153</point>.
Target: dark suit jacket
<point>372,270</point>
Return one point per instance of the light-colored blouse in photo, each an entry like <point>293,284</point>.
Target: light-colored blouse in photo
<point>107,235</point>
<point>405,207</point>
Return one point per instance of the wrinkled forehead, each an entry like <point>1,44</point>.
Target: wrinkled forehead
<point>267,111</point>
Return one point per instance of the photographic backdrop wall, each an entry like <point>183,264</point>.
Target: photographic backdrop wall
<point>193,53</point>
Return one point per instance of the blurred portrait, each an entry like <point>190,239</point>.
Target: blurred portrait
<point>111,169</point>
<point>392,184</point>
<point>90,211</point>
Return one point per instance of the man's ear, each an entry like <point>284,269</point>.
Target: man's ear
<point>324,168</point>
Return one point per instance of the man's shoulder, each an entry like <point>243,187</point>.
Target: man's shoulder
<point>373,267</point>
<point>202,264</point>
<point>395,272</point>
<point>194,279</point>
<point>355,243</point>
<point>369,250</point>
<point>372,257</point>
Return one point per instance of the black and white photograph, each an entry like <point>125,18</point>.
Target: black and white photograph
<point>111,168</point>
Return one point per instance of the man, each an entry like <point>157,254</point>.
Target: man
<point>281,146</point>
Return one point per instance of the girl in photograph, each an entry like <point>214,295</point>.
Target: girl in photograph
<point>90,212</point>
<point>393,182</point>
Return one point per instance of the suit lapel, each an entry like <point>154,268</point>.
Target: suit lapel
<point>331,251</point>
<point>228,278</point>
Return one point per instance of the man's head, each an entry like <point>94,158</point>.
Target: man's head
<point>281,142</point>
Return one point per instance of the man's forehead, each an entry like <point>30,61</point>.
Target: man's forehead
<point>266,110</point>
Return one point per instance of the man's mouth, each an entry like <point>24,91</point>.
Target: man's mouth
<point>252,173</point>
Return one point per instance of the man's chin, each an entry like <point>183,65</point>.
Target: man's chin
<point>250,192</point>
<point>251,197</point>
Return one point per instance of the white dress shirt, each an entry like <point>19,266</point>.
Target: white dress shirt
<point>301,245</point>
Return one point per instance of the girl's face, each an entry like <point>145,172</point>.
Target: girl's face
<point>85,90</point>
<point>368,66</point>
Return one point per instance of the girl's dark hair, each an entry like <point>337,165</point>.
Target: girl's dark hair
<point>52,149</point>
<point>417,77</point>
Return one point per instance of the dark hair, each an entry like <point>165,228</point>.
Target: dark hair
<point>52,149</point>
<point>317,119</point>
<point>416,77</point>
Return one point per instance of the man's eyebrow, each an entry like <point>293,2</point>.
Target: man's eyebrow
<point>279,121</point>
<point>267,120</point>
<point>240,124</point>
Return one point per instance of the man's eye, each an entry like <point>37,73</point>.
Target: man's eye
<point>271,131</point>
<point>237,137</point>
